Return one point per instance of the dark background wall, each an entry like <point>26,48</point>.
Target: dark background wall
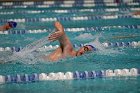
<point>34,0</point>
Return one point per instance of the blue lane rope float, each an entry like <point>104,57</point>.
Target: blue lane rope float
<point>75,18</point>
<point>51,47</point>
<point>95,28</point>
<point>21,78</point>
<point>77,75</point>
<point>68,11</point>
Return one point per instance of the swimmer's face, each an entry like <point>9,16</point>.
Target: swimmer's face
<point>7,27</point>
<point>83,50</point>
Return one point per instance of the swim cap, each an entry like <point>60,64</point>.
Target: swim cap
<point>93,48</point>
<point>12,24</point>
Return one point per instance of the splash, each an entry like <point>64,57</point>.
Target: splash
<point>101,50</point>
<point>28,54</point>
<point>21,26</point>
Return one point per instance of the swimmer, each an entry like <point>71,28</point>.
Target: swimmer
<point>136,13</point>
<point>66,48</point>
<point>8,26</point>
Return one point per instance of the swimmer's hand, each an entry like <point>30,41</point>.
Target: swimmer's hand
<point>58,34</point>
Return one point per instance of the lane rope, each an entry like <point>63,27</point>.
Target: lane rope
<point>77,75</point>
<point>68,11</point>
<point>52,47</point>
<point>80,29</point>
<point>75,18</point>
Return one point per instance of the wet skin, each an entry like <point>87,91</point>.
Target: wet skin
<point>66,48</point>
<point>5,27</point>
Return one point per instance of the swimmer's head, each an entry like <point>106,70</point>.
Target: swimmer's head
<point>85,49</point>
<point>12,24</point>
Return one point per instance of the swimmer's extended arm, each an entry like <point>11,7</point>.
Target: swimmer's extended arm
<point>1,28</point>
<point>8,25</point>
<point>5,27</point>
<point>136,13</point>
<point>65,44</point>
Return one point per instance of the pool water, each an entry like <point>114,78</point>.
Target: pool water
<point>110,58</point>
